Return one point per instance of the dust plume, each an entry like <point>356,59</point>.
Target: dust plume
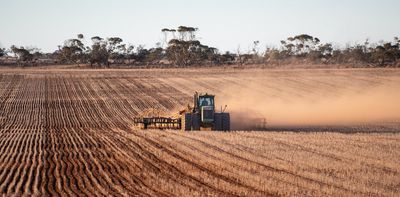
<point>369,105</point>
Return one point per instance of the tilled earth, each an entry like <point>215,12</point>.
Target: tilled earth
<point>69,132</point>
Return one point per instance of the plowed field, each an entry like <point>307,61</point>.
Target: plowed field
<point>69,132</point>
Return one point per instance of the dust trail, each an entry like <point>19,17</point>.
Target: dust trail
<point>371,105</point>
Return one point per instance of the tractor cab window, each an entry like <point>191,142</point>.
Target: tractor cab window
<point>206,101</point>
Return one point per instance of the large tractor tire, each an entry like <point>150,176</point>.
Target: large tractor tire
<point>221,122</point>
<point>226,122</point>
<point>186,122</point>
<point>190,122</point>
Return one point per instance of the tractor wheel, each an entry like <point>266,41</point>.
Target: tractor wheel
<point>190,122</point>
<point>221,122</point>
<point>226,122</point>
<point>186,122</point>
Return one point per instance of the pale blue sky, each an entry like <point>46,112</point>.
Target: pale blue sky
<point>225,24</point>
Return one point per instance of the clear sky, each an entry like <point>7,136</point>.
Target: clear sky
<point>224,24</point>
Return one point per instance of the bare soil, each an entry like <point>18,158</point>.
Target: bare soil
<point>69,132</point>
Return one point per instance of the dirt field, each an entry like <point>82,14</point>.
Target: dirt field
<point>69,132</point>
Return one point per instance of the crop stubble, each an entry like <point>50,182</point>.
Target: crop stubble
<point>69,133</point>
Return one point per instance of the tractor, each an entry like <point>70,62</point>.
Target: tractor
<point>201,117</point>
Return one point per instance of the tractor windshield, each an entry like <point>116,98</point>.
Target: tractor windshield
<point>206,101</point>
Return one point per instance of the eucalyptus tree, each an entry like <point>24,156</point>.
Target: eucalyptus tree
<point>300,45</point>
<point>3,52</point>
<point>73,51</point>
<point>23,55</point>
<point>185,49</point>
<point>386,53</point>
<point>166,32</point>
<point>115,49</point>
<point>98,53</point>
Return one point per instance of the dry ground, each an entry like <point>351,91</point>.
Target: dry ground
<point>68,132</point>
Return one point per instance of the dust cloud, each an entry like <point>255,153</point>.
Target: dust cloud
<point>248,107</point>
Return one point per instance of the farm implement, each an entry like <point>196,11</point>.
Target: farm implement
<point>202,116</point>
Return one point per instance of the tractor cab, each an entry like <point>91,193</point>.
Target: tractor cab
<point>204,106</point>
<point>206,100</point>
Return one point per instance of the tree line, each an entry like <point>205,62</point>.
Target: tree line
<point>180,47</point>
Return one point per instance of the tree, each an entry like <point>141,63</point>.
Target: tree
<point>165,32</point>
<point>273,54</point>
<point>3,52</point>
<point>397,48</point>
<point>103,50</point>
<point>187,33</point>
<point>226,58</point>
<point>255,50</point>
<point>80,36</point>
<point>129,53</point>
<point>23,55</point>
<point>322,52</point>
<point>180,51</point>
<point>326,50</point>
<point>72,51</point>
<point>385,54</point>
<point>356,54</point>
<point>185,49</point>
<point>98,53</point>
<point>240,58</point>
<point>141,53</point>
<point>300,45</point>
<point>115,48</point>
<point>154,55</point>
